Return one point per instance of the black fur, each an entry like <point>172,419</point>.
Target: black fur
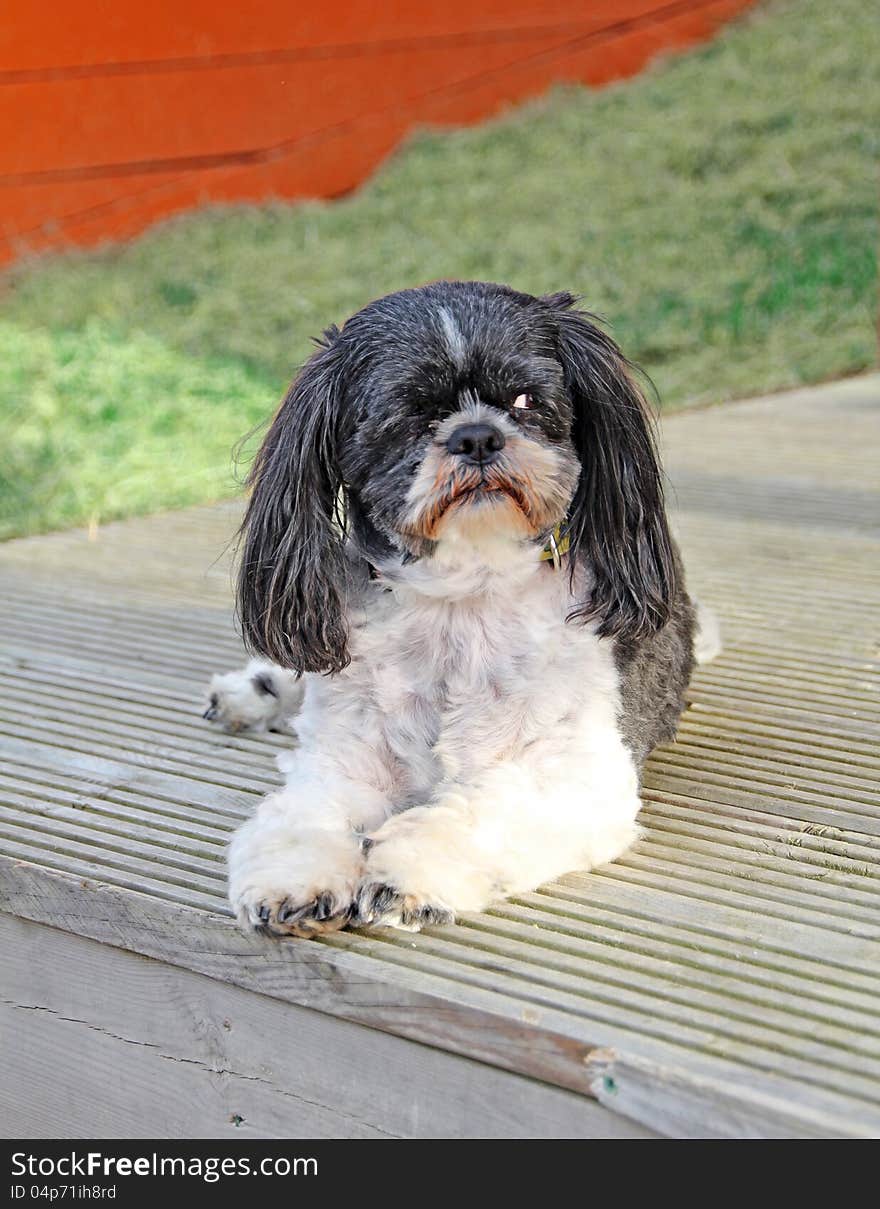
<point>265,685</point>
<point>292,573</point>
<point>654,675</point>
<point>617,523</point>
<point>351,433</point>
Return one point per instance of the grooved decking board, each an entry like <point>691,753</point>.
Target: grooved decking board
<point>720,979</point>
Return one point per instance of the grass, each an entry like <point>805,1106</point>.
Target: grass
<point>720,211</point>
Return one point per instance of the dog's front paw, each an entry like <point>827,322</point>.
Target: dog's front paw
<point>383,906</point>
<point>288,883</point>
<point>417,873</point>
<point>277,913</point>
<point>257,698</point>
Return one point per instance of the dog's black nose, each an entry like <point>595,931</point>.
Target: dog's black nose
<point>476,443</point>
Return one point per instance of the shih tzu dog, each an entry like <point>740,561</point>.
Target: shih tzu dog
<point>459,579</point>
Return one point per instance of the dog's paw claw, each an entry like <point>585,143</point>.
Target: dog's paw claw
<point>324,907</point>
<point>285,917</point>
<point>382,906</point>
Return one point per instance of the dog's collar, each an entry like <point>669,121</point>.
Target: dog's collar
<point>557,545</point>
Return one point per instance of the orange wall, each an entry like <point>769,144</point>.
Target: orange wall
<point>114,113</point>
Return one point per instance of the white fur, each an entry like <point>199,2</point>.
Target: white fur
<point>233,701</point>
<point>453,338</point>
<point>473,739</point>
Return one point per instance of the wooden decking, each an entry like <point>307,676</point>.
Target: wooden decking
<point>722,979</point>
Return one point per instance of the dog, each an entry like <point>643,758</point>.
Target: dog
<point>457,573</point>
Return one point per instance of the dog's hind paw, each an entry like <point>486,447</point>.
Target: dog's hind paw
<point>257,698</point>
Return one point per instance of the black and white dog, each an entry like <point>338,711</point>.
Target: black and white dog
<point>458,573</point>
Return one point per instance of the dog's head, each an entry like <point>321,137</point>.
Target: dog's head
<point>460,409</point>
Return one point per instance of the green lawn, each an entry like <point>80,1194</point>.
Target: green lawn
<point>720,211</point>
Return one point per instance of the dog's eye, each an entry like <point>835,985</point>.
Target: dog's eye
<point>524,402</point>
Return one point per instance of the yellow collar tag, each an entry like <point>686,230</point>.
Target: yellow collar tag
<point>557,545</point>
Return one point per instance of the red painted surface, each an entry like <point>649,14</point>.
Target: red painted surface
<point>114,114</point>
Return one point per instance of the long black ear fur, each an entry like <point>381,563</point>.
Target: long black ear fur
<point>617,522</point>
<point>291,580</point>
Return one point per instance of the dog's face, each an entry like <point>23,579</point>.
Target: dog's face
<point>457,418</point>
<point>458,409</point>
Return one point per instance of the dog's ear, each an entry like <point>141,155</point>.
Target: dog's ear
<point>291,580</point>
<point>617,522</point>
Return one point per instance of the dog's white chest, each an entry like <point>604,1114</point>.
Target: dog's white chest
<point>458,686</point>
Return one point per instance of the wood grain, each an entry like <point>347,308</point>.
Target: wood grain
<point>92,1022</point>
